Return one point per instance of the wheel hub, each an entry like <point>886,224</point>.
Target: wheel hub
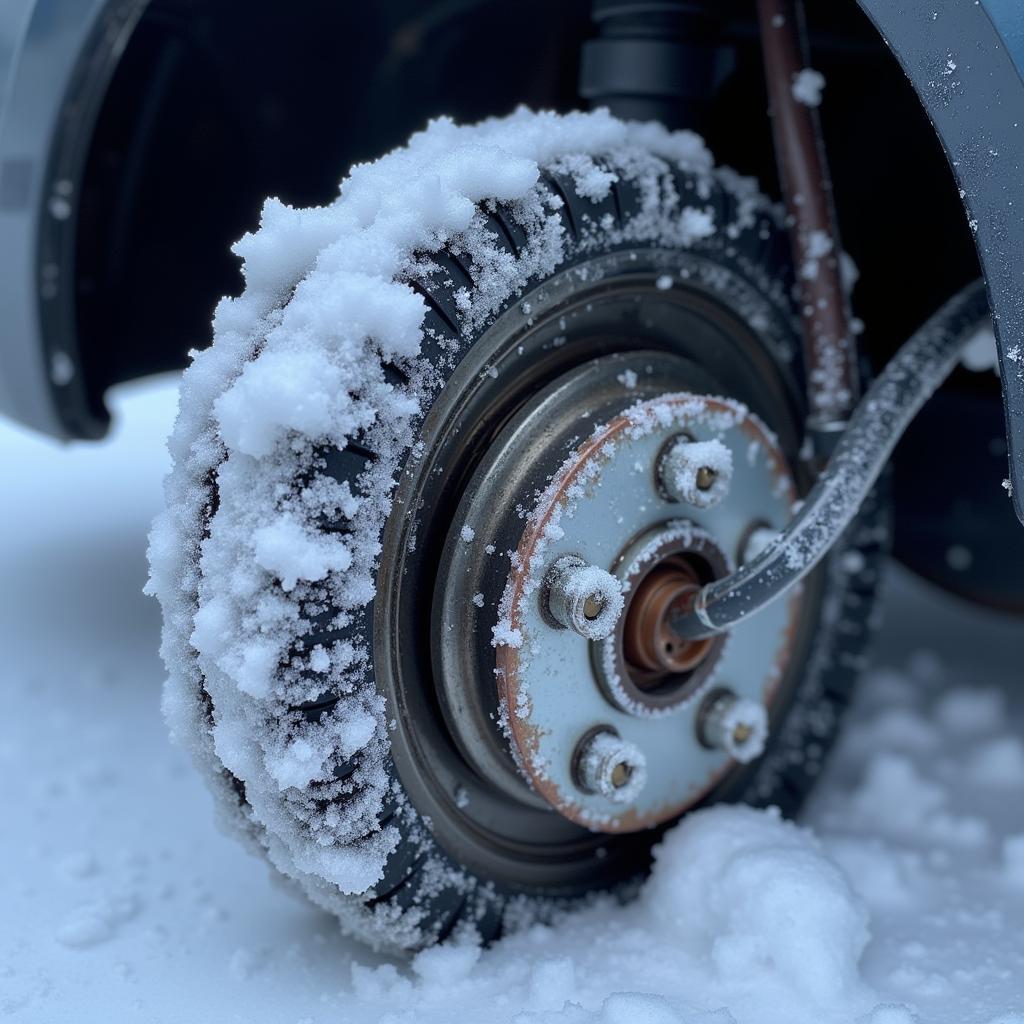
<point>570,705</point>
<point>645,665</point>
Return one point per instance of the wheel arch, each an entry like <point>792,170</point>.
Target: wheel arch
<point>54,370</point>
<point>966,64</point>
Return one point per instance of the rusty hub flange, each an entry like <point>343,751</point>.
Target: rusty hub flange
<point>605,506</point>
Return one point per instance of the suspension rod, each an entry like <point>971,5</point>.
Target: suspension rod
<point>830,352</point>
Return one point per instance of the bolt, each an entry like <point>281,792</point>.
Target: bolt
<point>695,472</point>
<point>607,765</point>
<point>735,724</point>
<point>583,598</point>
<point>706,477</point>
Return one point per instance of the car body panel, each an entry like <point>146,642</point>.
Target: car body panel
<point>966,62</point>
<point>40,45</point>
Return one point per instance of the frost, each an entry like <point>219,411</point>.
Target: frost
<point>297,765</point>
<point>591,181</point>
<point>696,224</point>
<point>749,719</point>
<point>686,466</point>
<point>603,752</point>
<point>503,635</point>
<point>574,584</point>
<point>319,659</point>
<point>818,245</point>
<point>291,552</point>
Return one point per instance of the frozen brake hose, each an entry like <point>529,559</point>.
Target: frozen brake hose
<point>883,414</point>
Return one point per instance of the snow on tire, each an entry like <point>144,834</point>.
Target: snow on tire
<point>293,427</point>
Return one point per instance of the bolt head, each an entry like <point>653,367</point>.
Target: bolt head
<point>584,598</point>
<point>735,724</point>
<point>706,478</point>
<point>610,766</point>
<point>697,473</point>
<point>741,734</point>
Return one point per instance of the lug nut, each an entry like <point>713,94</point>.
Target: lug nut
<point>737,725</point>
<point>608,765</point>
<point>695,472</point>
<point>583,598</point>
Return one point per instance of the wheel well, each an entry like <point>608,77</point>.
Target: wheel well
<point>208,113</point>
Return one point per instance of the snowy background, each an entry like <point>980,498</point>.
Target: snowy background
<point>120,901</point>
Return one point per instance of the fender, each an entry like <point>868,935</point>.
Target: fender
<point>966,63</point>
<point>49,98</point>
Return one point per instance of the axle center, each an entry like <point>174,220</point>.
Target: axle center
<point>652,648</point>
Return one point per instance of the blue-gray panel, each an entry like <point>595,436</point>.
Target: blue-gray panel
<point>965,60</point>
<point>1008,18</point>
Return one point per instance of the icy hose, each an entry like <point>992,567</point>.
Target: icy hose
<point>909,379</point>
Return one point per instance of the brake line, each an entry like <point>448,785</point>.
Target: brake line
<point>909,379</point>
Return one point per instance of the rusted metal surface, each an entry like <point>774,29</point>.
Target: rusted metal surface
<point>650,643</point>
<point>524,733</point>
<point>652,666</point>
<point>830,350</point>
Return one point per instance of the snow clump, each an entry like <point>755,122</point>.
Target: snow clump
<point>807,87</point>
<point>751,893</point>
<point>743,911</point>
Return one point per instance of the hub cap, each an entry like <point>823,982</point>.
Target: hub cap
<point>641,688</point>
<point>581,348</point>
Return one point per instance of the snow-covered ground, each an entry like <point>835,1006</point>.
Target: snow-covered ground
<point>120,901</point>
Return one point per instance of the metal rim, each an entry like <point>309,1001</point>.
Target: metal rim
<point>483,819</point>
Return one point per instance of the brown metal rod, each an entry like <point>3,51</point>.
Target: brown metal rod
<point>830,351</point>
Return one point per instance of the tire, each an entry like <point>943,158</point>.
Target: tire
<point>345,774</point>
